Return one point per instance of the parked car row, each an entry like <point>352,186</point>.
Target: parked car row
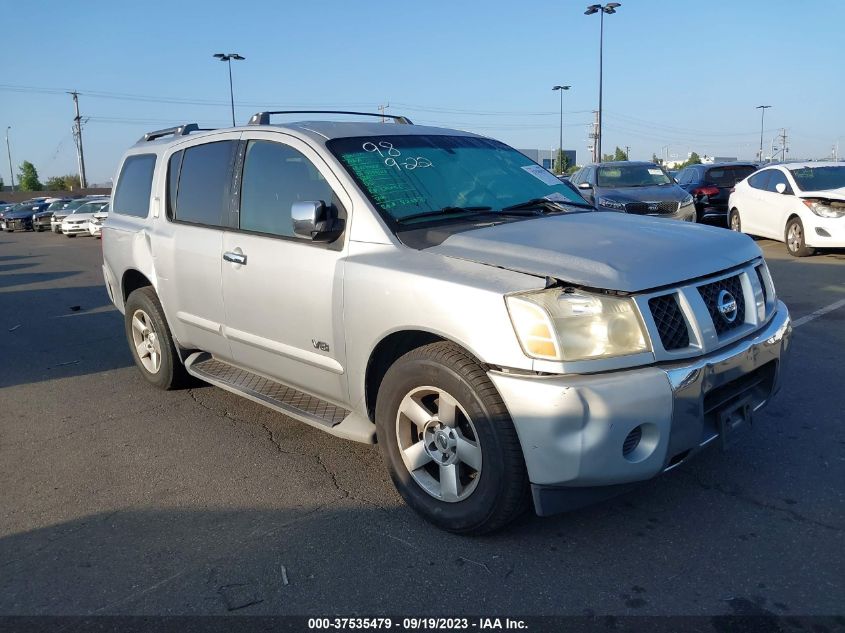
<point>69,216</point>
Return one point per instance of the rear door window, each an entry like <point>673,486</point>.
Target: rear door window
<point>204,184</point>
<point>132,195</point>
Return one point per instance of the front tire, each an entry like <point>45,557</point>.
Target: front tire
<point>448,441</point>
<point>734,222</point>
<point>794,238</point>
<point>151,342</point>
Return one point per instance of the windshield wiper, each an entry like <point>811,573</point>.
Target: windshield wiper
<point>443,211</point>
<point>544,204</point>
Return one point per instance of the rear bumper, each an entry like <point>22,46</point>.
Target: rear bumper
<point>573,428</point>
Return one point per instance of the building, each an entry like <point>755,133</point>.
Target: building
<point>547,157</point>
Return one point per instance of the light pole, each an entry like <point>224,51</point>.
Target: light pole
<point>762,109</point>
<point>561,89</point>
<point>228,57</point>
<point>609,8</point>
<point>9,152</point>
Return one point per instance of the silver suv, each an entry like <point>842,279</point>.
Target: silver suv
<point>439,293</point>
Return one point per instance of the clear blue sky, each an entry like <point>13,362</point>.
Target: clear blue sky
<point>681,73</point>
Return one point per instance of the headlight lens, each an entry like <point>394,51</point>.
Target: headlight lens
<point>825,209</point>
<point>686,201</point>
<point>568,326</point>
<point>611,204</point>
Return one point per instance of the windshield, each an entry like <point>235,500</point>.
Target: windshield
<point>89,207</point>
<point>631,176</point>
<point>409,175</point>
<point>819,178</point>
<point>57,205</point>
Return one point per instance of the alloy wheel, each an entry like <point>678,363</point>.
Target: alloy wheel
<point>146,341</point>
<point>439,444</point>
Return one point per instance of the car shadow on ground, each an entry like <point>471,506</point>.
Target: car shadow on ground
<point>58,332</point>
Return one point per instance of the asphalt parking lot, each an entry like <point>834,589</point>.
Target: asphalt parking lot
<point>120,499</point>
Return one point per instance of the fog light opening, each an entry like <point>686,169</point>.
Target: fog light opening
<point>641,442</point>
<point>820,231</point>
<point>632,440</point>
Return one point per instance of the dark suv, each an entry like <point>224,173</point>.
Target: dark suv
<point>711,186</point>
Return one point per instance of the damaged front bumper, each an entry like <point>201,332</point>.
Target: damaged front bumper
<point>589,437</point>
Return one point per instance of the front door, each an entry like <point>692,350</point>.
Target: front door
<point>283,293</point>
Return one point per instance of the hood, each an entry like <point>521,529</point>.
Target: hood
<point>830,194</point>
<point>79,216</point>
<point>611,251</point>
<point>20,213</point>
<point>656,193</point>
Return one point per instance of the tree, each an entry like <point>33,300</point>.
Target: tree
<point>55,183</point>
<point>619,154</point>
<point>693,159</point>
<point>561,162</point>
<point>28,177</point>
<point>573,169</point>
<point>72,182</point>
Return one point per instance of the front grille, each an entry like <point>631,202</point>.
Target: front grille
<point>710,294</point>
<point>759,271</point>
<point>670,322</point>
<point>652,208</point>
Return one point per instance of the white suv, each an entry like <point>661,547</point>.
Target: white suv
<point>440,293</point>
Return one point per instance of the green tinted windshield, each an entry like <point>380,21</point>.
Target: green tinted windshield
<point>819,178</point>
<point>406,175</point>
<point>631,175</point>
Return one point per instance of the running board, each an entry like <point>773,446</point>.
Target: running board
<point>282,398</point>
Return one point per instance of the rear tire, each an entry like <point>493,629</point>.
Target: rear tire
<point>150,340</point>
<point>470,475</point>
<point>794,238</point>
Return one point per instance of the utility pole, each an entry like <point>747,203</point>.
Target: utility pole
<point>762,109</point>
<point>382,108</point>
<point>627,152</point>
<point>594,135</point>
<point>9,151</point>
<point>783,149</point>
<point>77,137</point>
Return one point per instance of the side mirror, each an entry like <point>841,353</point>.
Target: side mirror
<point>315,221</point>
<point>585,185</point>
<point>780,187</point>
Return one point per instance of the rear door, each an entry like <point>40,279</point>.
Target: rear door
<point>284,293</point>
<point>189,245</point>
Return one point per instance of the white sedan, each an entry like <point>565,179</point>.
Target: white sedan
<point>802,204</point>
<point>76,221</point>
<point>95,224</point>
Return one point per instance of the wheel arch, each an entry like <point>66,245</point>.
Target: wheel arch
<point>387,351</point>
<point>132,280</point>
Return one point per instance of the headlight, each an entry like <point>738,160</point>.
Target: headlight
<point>33,217</point>
<point>611,204</point>
<point>567,326</point>
<point>686,201</point>
<point>826,209</point>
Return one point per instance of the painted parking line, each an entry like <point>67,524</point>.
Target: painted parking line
<point>820,312</point>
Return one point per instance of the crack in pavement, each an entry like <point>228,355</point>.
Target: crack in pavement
<point>797,516</point>
<point>271,436</point>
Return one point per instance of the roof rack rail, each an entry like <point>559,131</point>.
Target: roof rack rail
<point>179,130</point>
<point>263,118</point>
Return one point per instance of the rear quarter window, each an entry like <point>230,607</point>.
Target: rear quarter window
<point>134,185</point>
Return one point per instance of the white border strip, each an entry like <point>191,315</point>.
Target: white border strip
<point>820,312</point>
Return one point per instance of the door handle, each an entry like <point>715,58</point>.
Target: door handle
<point>235,258</point>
